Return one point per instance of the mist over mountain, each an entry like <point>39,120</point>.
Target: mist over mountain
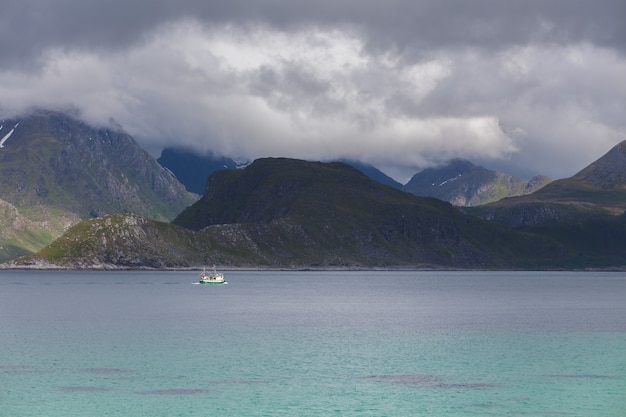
<point>191,169</point>
<point>459,182</point>
<point>110,201</point>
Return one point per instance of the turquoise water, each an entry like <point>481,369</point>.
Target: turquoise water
<point>313,344</point>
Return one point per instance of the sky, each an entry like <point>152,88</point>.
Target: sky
<point>523,87</point>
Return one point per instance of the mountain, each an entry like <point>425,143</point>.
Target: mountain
<point>608,172</point>
<point>21,234</point>
<point>191,169</point>
<point>281,212</point>
<point>315,213</point>
<point>56,170</point>
<point>462,183</point>
<point>373,173</point>
<point>599,190</point>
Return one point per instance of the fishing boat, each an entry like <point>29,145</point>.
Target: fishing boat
<point>213,277</point>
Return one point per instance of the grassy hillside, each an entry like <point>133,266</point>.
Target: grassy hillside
<point>597,191</point>
<point>56,170</point>
<point>292,212</point>
<point>562,201</point>
<point>288,213</point>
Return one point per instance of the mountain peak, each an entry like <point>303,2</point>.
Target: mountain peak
<point>463,183</point>
<point>609,171</point>
<point>56,169</point>
<point>193,169</point>
<point>329,213</point>
<point>372,172</point>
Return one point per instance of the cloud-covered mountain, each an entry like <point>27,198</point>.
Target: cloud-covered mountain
<point>408,83</point>
<point>56,170</point>
<point>192,169</point>
<point>281,212</point>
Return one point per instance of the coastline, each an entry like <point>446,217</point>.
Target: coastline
<point>47,266</point>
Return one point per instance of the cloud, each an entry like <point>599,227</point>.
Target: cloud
<point>28,27</point>
<point>260,92</point>
<point>534,87</point>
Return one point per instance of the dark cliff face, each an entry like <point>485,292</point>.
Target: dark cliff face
<point>56,160</point>
<point>273,188</point>
<point>251,195</point>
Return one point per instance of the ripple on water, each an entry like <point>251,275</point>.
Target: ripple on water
<point>582,376</point>
<point>405,379</point>
<point>174,391</point>
<point>85,389</point>
<point>469,385</point>
<point>21,370</point>
<point>426,380</point>
<point>105,371</point>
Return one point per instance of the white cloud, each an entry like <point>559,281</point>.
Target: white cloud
<point>319,93</point>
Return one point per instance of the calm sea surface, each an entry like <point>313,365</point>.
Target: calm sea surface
<point>313,344</point>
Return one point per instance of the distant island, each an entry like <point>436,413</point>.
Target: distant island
<point>92,206</point>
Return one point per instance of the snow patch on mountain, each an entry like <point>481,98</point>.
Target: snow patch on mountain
<point>8,135</point>
<point>448,180</point>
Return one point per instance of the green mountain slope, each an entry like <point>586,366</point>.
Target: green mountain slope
<point>598,190</point>
<point>192,169</point>
<point>462,183</point>
<point>56,170</point>
<point>329,209</point>
<point>585,213</point>
<point>291,213</point>
<point>593,242</point>
<point>130,241</point>
<point>21,234</point>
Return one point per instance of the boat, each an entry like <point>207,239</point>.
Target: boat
<point>213,277</point>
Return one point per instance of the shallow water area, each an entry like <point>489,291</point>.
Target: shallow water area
<point>358,343</point>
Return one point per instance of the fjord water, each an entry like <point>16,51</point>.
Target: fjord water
<point>375,343</point>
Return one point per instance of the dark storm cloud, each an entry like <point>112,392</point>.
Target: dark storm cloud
<point>535,85</point>
<point>28,27</point>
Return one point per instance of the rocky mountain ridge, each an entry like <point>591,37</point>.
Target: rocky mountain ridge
<point>56,170</point>
<point>462,183</point>
<point>281,212</point>
<point>598,190</point>
<point>459,181</point>
<point>286,213</point>
<point>608,172</point>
